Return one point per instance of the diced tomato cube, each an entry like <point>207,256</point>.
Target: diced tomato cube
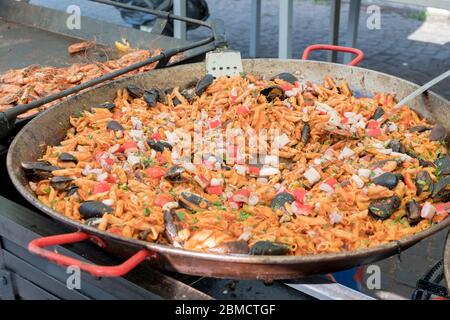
<point>101,187</point>
<point>111,179</point>
<point>373,124</point>
<point>214,190</point>
<point>115,230</point>
<point>129,145</point>
<point>299,194</point>
<point>155,172</point>
<point>254,170</point>
<point>442,207</point>
<point>162,199</point>
<point>241,195</point>
<point>374,132</point>
<point>214,124</point>
<point>156,136</point>
<point>331,182</point>
<point>344,120</point>
<point>303,209</point>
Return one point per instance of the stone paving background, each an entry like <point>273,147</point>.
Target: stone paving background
<point>412,43</point>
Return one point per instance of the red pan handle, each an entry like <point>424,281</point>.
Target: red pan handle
<point>354,62</point>
<point>37,247</point>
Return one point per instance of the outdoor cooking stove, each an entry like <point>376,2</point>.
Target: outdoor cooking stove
<point>41,37</point>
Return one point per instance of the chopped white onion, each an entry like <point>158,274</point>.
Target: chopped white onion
<point>281,141</point>
<point>365,173</point>
<point>428,211</point>
<point>132,159</point>
<point>325,187</point>
<point>312,175</point>
<point>346,153</point>
<point>335,218</point>
<point>268,171</point>
<point>216,182</point>
<point>253,200</point>
<point>108,202</point>
<point>359,183</point>
<point>240,169</point>
<point>102,176</point>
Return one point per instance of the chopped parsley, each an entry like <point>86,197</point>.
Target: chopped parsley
<point>124,187</point>
<point>195,228</point>
<point>147,162</point>
<point>147,212</point>
<point>47,190</point>
<point>243,215</point>
<point>395,117</point>
<point>181,216</point>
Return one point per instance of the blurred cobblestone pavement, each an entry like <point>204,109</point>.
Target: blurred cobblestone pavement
<point>409,45</point>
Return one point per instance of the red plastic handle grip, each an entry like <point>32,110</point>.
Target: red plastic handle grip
<point>354,62</point>
<point>37,247</point>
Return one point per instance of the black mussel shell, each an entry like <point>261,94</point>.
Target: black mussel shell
<point>189,94</point>
<point>67,157</point>
<point>280,199</point>
<point>151,97</point>
<point>286,76</point>
<point>159,145</point>
<point>383,208</point>
<point>231,247</point>
<point>135,91</point>
<point>72,190</point>
<point>438,133</point>
<point>379,112</point>
<point>306,133</point>
<point>203,84</point>
<point>94,209</point>
<point>107,105</point>
<point>423,182</point>
<point>443,165</point>
<point>273,92</point>
<point>413,212</point>
<point>387,179</point>
<point>38,170</point>
<point>419,128</point>
<point>61,183</point>
<point>114,126</point>
<point>192,201</point>
<point>440,186</point>
<point>269,248</point>
<point>174,174</point>
<point>176,101</point>
<point>396,146</point>
<point>171,230</point>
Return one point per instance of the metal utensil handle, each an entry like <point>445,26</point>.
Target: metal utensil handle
<point>37,246</point>
<point>314,47</point>
<point>423,88</point>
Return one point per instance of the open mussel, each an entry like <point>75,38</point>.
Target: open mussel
<point>440,187</point>
<point>231,247</point>
<point>67,157</point>
<point>438,133</point>
<point>281,199</point>
<point>192,201</point>
<point>379,112</point>
<point>423,182</point>
<point>442,165</point>
<point>383,208</point>
<point>107,105</point>
<point>171,229</point>
<point>396,146</point>
<point>273,92</point>
<point>71,190</point>
<point>419,128</point>
<point>61,183</point>
<point>114,126</point>
<point>135,91</point>
<point>38,170</point>
<point>286,76</point>
<point>203,84</point>
<point>159,145</point>
<point>413,212</point>
<point>93,209</point>
<point>269,248</point>
<point>151,97</point>
<point>174,174</point>
<point>387,179</point>
<point>306,133</point>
